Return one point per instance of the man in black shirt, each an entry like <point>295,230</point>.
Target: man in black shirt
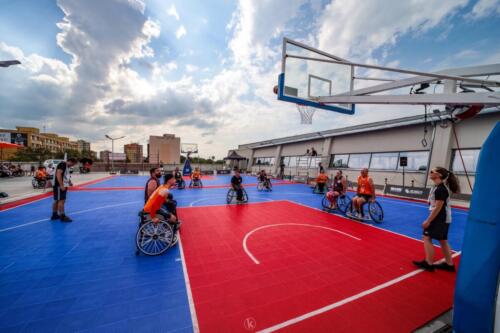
<point>236,184</point>
<point>61,183</point>
<point>153,183</point>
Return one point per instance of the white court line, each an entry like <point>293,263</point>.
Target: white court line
<point>74,213</point>
<point>219,196</point>
<point>192,309</point>
<point>257,262</point>
<point>344,301</point>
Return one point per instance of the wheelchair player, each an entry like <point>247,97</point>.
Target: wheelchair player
<point>264,179</point>
<point>178,178</point>
<point>339,189</point>
<point>236,185</point>
<point>365,193</point>
<point>196,178</point>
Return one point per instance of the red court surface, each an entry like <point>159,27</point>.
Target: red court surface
<point>304,271</point>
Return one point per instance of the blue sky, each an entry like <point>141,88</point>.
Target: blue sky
<point>204,70</point>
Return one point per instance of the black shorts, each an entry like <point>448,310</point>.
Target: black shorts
<point>58,194</point>
<point>367,197</point>
<point>437,230</point>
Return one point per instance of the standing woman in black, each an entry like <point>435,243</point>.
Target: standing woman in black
<point>437,224</point>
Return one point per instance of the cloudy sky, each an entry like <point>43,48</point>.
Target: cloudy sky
<point>204,70</point>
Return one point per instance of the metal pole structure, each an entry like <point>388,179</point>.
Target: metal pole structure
<point>113,150</point>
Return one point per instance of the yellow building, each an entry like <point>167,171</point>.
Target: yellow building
<point>32,138</point>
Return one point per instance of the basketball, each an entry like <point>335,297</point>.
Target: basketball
<point>275,89</point>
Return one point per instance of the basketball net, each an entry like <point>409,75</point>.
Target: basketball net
<point>306,113</point>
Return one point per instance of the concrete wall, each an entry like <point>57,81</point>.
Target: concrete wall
<point>471,133</point>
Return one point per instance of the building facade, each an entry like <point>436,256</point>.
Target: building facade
<point>107,156</point>
<point>379,146</point>
<point>165,149</point>
<point>83,145</point>
<point>32,137</point>
<point>133,151</point>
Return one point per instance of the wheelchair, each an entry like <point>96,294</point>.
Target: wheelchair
<point>372,211</point>
<point>316,189</point>
<point>231,196</point>
<point>180,184</point>
<point>38,183</point>
<point>153,239</point>
<point>265,186</point>
<point>342,202</point>
<point>195,183</point>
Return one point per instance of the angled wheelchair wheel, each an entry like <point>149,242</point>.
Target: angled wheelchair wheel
<point>245,196</point>
<point>376,212</point>
<point>153,239</point>
<point>191,184</point>
<point>343,202</point>
<point>260,186</point>
<point>34,182</point>
<point>230,195</point>
<point>349,210</point>
<point>182,185</point>
<point>325,203</point>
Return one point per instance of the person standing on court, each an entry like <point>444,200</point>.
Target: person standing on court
<point>61,183</point>
<point>437,224</point>
<point>153,183</point>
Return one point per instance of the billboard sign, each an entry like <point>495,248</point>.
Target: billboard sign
<point>17,138</point>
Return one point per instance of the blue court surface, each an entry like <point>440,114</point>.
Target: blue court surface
<point>85,276</point>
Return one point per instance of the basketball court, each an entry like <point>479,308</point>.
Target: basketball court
<point>277,263</point>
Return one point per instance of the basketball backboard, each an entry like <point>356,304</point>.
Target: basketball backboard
<point>189,148</point>
<point>317,79</point>
<point>304,81</point>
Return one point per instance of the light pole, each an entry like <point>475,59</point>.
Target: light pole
<point>113,150</point>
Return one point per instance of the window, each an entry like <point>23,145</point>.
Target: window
<point>417,160</point>
<point>293,161</point>
<point>359,161</point>
<point>264,160</point>
<point>339,161</point>
<point>315,161</point>
<point>470,157</point>
<point>286,160</point>
<point>384,161</point>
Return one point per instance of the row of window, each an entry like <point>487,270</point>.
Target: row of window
<point>264,161</point>
<point>417,161</point>
<point>301,161</point>
<point>470,157</point>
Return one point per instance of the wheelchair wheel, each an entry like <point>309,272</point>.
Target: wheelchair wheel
<point>153,239</point>
<point>325,202</point>
<point>34,182</point>
<point>260,186</point>
<point>376,212</point>
<point>270,186</point>
<point>182,185</point>
<point>343,202</point>
<point>231,195</point>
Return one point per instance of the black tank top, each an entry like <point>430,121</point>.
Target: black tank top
<point>146,188</point>
<point>337,184</point>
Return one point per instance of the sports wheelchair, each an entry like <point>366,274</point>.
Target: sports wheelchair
<point>195,183</point>
<point>343,201</point>
<point>265,185</point>
<point>231,196</point>
<point>153,239</point>
<point>180,184</point>
<point>38,183</point>
<point>371,211</point>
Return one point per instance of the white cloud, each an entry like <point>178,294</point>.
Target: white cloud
<point>355,29</point>
<point>181,32</point>
<point>191,68</point>
<point>172,11</point>
<point>485,8</point>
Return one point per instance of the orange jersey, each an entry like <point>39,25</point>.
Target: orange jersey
<point>322,178</point>
<point>41,174</point>
<point>196,175</point>
<point>364,186</point>
<point>156,200</point>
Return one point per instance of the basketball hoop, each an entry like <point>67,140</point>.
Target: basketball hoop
<point>306,113</point>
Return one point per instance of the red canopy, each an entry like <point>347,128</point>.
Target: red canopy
<point>4,144</point>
